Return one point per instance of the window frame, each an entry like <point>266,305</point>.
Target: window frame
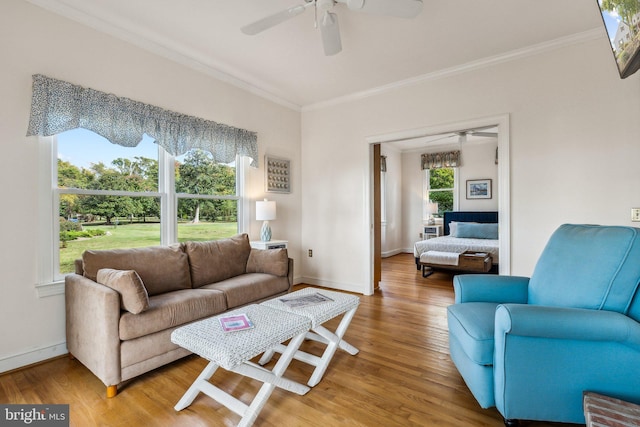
<point>49,279</point>
<point>426,190</point>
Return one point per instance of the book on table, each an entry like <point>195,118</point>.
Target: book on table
<point>235,322</point>
<point>305,300</point>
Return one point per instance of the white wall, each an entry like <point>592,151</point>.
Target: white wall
<point>391,240</point>
<point>574,133</point>
<point>35,41</point>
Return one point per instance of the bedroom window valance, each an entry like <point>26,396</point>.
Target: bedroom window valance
<point>58,106</point>
<point>449,159</point>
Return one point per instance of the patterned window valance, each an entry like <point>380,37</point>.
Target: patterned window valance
<point>58,106</point>
<point>449,159</point>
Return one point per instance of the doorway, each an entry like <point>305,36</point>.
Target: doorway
<point>501,126</point>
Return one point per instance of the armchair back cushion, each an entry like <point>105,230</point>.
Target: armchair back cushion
<point>586,266</point>
<point>161,268</point>
<point>217,260</point>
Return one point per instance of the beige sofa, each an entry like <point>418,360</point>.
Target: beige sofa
<point>123,304</point>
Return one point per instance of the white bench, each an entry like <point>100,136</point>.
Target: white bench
<point>318,314</point>
<point>233,351</point>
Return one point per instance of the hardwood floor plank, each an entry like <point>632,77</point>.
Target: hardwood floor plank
<point>402,376</point>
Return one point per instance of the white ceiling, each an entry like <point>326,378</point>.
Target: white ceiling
<point>287,64</point>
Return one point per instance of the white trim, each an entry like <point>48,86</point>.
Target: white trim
<point>185,55</point>
<point>348,287</point>
<point>464,68</point>
<point>504,176</point>
<point>50,289</point>
<point>164,47</point>
<point>36,355</point>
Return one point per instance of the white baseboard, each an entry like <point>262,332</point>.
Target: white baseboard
<point>8,363</point>
<point>387,254</point>
<point>356,288</point>
<point>396,252</point>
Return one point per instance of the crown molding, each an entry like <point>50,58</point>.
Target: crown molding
<point>464,68</point>
<point>162,46</point>
<point>181,54</point>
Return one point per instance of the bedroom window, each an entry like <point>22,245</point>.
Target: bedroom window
<point>441,188</point>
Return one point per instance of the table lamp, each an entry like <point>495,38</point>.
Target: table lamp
<point>432,208</point>
<point>265,211</point>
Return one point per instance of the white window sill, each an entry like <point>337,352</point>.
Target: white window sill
<point>50,289</point>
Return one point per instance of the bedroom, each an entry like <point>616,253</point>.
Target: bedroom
<point>404,188</point>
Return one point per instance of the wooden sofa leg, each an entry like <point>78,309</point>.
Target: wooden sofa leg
<point>511,423</point>
<point>112,390</point>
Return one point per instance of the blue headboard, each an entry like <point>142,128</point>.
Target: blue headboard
<point>467,216</point>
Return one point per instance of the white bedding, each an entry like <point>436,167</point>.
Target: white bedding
<point>457,245</point>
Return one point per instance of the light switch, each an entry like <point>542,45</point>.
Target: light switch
<point>635,214</point>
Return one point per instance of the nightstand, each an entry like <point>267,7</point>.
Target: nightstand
<point>431,231</point>
<point>271,244</point>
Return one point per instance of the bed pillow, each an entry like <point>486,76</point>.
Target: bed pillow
<point>453,228</point>
<point>472,230</point>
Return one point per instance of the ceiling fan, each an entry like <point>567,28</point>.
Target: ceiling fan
<point>328,21</point>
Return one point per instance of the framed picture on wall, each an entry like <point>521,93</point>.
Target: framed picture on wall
<point>278,175</point>
<point>478,189</point>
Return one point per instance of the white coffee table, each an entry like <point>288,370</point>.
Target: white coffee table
<point>342,303</point>
<point>233,351</point>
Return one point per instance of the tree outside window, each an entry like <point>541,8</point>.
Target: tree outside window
<point>441,188</point>
<point>109,196</point>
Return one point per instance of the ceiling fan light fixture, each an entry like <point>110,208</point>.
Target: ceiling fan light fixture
<point>330,31</point>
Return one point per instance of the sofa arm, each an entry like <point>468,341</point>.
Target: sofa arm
<point>290,275</point>
<point>92,324</point>
<point>490,288</point>
<point>564,323</point>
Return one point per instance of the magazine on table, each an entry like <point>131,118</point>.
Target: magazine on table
<point>305,300</point>
<point>235,322</point>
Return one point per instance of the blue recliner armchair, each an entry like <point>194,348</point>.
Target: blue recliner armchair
<point>532,346</point>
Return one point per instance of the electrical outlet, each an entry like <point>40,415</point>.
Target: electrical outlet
<point>635,214</point>
<point>310,253</point>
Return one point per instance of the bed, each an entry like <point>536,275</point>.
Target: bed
<point>443,249</point>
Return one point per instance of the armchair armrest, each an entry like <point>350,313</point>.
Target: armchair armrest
<point>567,324</point>
<point>490,288</point>
<point>92,326</point>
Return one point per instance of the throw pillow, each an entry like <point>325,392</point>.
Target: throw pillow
<point>134,297</point>
<point>472,230</point>
<point>270,261</point>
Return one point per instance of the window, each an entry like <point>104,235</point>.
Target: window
<point>441,187</point>
<point>106,196</point>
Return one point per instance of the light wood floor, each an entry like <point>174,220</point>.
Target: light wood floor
<point>403,375</point>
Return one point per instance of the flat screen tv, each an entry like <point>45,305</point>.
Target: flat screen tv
<point>622,20</point>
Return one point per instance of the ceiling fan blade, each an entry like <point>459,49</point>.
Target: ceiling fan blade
<point>485,134</point>
<point>273,20</point>
<point>330,31</point>
<point>397,8</point>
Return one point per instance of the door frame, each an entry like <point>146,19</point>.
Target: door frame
<point>504,175</point>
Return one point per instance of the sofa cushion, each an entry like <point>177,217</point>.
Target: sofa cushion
<point>217,260</point>
<point>269,261</point>
<point>172,309</point>
<point>472,323</point>
<point>250,288</point>
<point>161,268</point>
<point>133,294</point>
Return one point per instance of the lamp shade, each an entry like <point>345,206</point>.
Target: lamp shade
<point>432,207</point>
<point>265,210</point>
